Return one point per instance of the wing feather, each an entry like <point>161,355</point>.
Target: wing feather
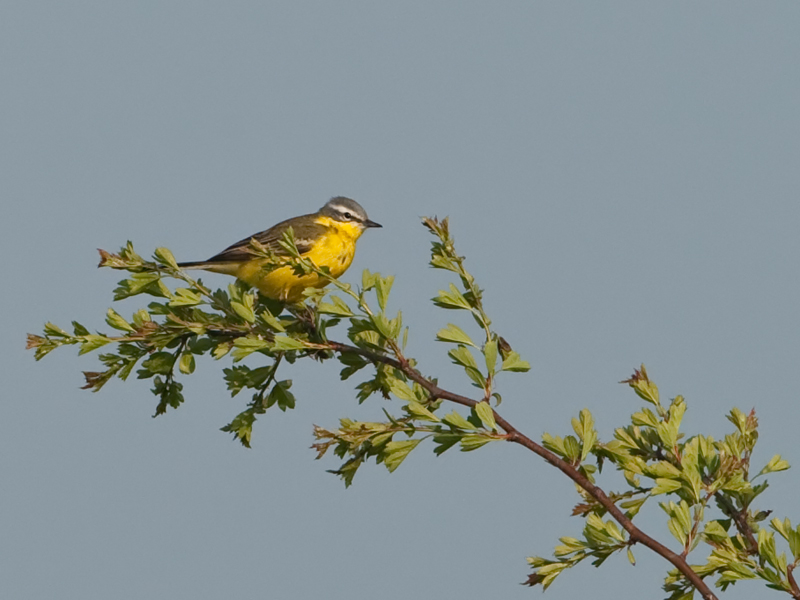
<point>305,233</point>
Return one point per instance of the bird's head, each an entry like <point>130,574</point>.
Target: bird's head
<point>346,210</point>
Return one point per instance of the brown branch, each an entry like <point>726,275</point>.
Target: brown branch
<point>739,518</point>
<point>513,435</point>
<point>793,582</point>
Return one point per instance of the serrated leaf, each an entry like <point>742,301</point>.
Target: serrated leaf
<point>665,486</point>
<point>486,415</point>
<point>462,356</point>
<point>92,342</point>
<point>280,395</point>
<point>76,327</point>
<point>455,419</point>
<point>490,354</point>
<point>185,297</point>
<point>453,299</point>
<point>514,363</point>
<point>115,320</point>
<point>775,464</point>
<point>56,331</point>
<point>418,410</point>
<point>243,311</point>
<point>368,280</point>
<point>242,426</point>
<point>164,256</point>
<point>396,452</point>
<point>402,390</point>
<point>272,321</point>
<point>337,307</point>
<point>454,334</point>
<point>284,342</point>
<point>159,363</point>
<point>243,347</point>
<point>383,286</point>
<point>473,442</point>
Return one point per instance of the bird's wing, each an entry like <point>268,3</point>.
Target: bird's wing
<point>306,232</point>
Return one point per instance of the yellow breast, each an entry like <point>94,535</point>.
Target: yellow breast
<point>335,250</point>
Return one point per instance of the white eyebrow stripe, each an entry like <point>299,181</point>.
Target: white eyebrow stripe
<point>342,209</point>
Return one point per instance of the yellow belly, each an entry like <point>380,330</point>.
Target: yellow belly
<point>333,251</point>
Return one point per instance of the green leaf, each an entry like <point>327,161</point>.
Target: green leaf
<point>454,419</point>
<point>186,364</point>
<point>418,411</point>
<point>242,426</point>
<point>396,452</point>
<point>633,506</point>
<point>584,427</point>
<point>461,355</point>
<point>514,363</point>
<point>337,308</point>
<point>272,321</point>
<point>486,415</point>
<point>665,486</point>
<point>185,297</point>
<point>284,342</point>
<point>383,286</point>
<point>281,395</point>
<point>368,280</point>
<point>473,442</point>
<point>115,320</point>
<point>140,317</point>
<point>92,342</point>
<point>444,441</point>
<point>453,299</point>
<point>76,327</point>
<point>775,464</point>
<point>159,363</point>
<point>453,333</point>
<point>165,257</point>
<point>402,390</point>
<point>56,331</point>
<point>243,311</point>
<point>490,354</point>
<point>243,347</point>
<point>766,547</point>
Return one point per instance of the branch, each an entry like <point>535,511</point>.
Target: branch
<point>793,582</point>
<point>514,435</point>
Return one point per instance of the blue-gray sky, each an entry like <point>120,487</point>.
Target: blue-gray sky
<point>622,177</point>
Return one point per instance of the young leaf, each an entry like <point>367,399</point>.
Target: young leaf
<point>383,286</point>
<point>453,299</point>
<point>284,342</point>
<point>453,333</point>
<point>486,415</point>
<point>514,363</point>
<point>490,354</point>
<point>396,452</point>
<point>115,320</point>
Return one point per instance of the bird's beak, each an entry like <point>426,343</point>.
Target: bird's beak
<point>369,223</point>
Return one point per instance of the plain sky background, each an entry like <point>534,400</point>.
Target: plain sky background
<point>622,177</point>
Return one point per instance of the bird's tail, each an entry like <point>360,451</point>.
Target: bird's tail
<point>198,264</point>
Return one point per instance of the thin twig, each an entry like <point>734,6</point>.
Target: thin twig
<point>514,435</point>
<point>793,582</point>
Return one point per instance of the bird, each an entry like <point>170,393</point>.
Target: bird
<point>327,238</point>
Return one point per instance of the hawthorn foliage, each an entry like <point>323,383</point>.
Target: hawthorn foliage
<point>706,488</point>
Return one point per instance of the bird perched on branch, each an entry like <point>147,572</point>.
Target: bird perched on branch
<point>327,238</point>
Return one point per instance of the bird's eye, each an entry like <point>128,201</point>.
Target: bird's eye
<point>347,215</point>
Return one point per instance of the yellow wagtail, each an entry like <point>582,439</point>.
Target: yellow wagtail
<point>326,237</point>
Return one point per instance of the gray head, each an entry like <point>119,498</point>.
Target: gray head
<point>347,211</point>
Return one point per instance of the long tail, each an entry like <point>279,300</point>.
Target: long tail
<point>198,264</point>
